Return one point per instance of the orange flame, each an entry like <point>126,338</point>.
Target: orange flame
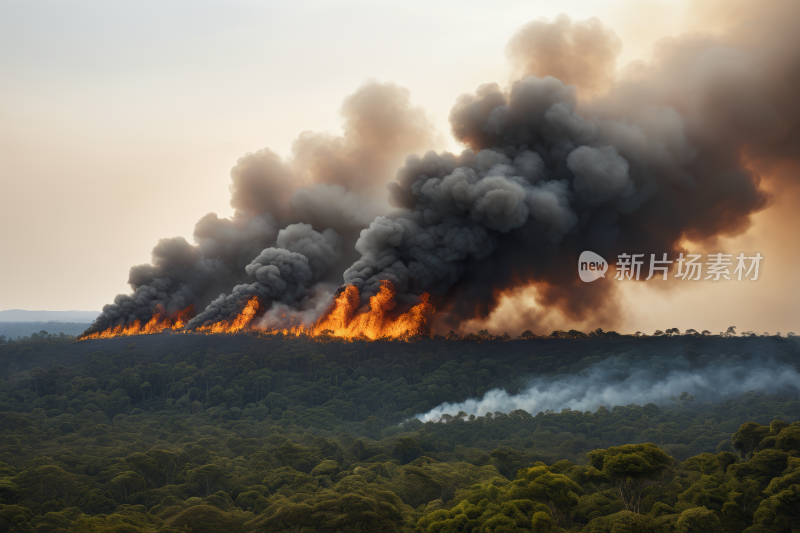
<point>234,325</point>
<point>160,321</point>
<point>343,321</point>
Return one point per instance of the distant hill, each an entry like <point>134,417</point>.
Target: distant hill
<point>12,330</point>
<point>21,315</point>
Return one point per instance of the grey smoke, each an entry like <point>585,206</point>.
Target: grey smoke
<point>304,313</point>
<point>312,204</point>
<point>320,249</point>
<point>282,275</point>
<point>545,172</point>
<point>617,381</point>
<point>600,174</point>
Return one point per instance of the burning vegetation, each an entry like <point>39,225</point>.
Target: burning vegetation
<point>343,320</point>
<point>236,324</point>
<point>160,321</point>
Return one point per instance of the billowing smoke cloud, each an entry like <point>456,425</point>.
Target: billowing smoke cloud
<point>659,156</point>
<point>657,159</point>
<point>283,274</point>
<point>541,184</point>
<point>380,123</point>
<point>295,220</point>
<point>581,53</point>
<point>621,380</point>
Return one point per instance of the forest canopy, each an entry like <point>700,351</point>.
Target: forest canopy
<point>244,434</point>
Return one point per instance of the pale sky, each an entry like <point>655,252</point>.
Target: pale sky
<point>119,123</point>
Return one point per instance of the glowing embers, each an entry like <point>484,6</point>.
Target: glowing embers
<point>160,321</point>
<point>238,323</point>
<point>343,320</point>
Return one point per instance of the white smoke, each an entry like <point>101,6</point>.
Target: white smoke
<point>305,313</point>
<point>616,381</point>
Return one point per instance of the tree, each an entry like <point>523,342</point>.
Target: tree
<point>781,511</point>
<point>361,509</point>
<point>168,463</point>
<point>683,399</point>
<point>209,519</point>
<point>748,437</point>
<point>130,483</point>
<point>544,523</point>
<point>9,491</point>
<point>622,522</point>
<point>557,491</point>
<point>698,520</point>
<point>406,450</point>
<point>629,467</point>
<point>145,388</point>
<point>46,482</point>
<point>145,466</point>
<point>208,477</point>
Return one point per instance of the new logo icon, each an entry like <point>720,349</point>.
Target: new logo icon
<point>591,266</point>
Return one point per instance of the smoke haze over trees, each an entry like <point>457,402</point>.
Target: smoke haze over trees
<point>630,378</point>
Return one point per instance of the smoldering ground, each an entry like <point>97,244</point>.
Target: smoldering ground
<point>629,378</point>
<point>608,160</point>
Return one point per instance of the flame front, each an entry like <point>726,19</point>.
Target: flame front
<point>240,322</point>
<point>341,321</point>
<point>160,321</point>
<point>344,321</point>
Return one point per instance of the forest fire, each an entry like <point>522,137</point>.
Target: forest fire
<point>238,323</point>
<point>160,321</point>
<point>343,320</point>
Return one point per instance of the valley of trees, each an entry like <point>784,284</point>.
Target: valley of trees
<point>192,433</point>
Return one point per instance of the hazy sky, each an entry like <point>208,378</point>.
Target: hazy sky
<point>119,124</point>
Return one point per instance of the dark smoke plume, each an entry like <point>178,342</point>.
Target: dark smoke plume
<point>660,153</point>
<point>295,221</point>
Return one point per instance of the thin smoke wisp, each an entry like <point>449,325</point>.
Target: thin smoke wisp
<point>624,380</point>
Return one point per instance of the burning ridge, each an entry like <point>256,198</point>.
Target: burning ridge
<point>160,321</point>
<point>343,320</point>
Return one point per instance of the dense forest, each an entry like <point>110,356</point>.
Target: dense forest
<point>240,433</point>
